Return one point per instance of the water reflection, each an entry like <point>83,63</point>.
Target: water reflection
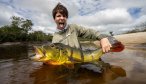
<point>127,67</point>
<point>14,52</point>
<point>48,74</point>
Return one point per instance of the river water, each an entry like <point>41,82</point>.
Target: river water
<point>126,67</point>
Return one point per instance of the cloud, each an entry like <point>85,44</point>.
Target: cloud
<point>6,13</point>
<point>89,6</point>
<point>102,15</point>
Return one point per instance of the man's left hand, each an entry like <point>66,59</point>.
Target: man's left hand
<point>105,44</point>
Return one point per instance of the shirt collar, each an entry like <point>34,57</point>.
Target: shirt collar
<point>58,30</point>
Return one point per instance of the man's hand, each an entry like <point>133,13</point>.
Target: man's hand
<point>105,44</point>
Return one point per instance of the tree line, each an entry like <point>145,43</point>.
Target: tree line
<point>18,30</point>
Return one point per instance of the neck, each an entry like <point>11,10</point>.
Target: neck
<point>62,28</point>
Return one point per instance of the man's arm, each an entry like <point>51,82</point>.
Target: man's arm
<point>93,34</point>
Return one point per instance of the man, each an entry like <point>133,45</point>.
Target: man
<point>68,33</point>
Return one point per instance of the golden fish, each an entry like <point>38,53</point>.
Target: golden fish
<point>60,54</point>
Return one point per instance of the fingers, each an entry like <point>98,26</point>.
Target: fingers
<point>105,44</point>
<point>106,48</point>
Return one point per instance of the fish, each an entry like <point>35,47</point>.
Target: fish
<point>61,54</point>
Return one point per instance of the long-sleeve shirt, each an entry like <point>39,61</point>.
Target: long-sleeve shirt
<point>69,36</point>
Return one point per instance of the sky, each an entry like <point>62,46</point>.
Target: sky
<point>101,15</point>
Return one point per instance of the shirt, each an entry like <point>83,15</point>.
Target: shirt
<point>69,36</point>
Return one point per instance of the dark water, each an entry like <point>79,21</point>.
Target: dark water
<point>128,66</point>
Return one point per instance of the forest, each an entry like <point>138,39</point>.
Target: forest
<point>18,31</point>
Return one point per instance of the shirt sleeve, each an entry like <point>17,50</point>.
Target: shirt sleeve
<point>89,33</point>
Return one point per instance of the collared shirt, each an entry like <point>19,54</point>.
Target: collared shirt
<point>71,34</point>
<point>59,30</point>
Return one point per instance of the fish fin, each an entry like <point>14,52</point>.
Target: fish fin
<point>69,66</point>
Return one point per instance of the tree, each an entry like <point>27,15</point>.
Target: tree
<point>24,24</point>
<point>17,30</point>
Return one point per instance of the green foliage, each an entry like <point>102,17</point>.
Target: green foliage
<point>39,36</point>
<point>24,24</point>
<point>18,31</point>
<point>136,30</point>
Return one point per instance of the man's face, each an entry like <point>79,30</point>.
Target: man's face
<point>60,20</point>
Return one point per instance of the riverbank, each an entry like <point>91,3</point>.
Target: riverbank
<point>132,38</point>
<point>126,39</point>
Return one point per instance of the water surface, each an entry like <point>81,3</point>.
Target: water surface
<point>128,66</point>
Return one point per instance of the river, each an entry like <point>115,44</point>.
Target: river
<point>126,67</point>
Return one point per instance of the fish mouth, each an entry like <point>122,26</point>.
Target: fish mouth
<point>40,51</point>
<point>38,54</point>
<point>36,57</point>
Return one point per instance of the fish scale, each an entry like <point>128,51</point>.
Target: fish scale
<point>60,54</point>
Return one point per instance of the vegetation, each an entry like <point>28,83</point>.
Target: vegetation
<point>138,28</point>
<point>18,31</point>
